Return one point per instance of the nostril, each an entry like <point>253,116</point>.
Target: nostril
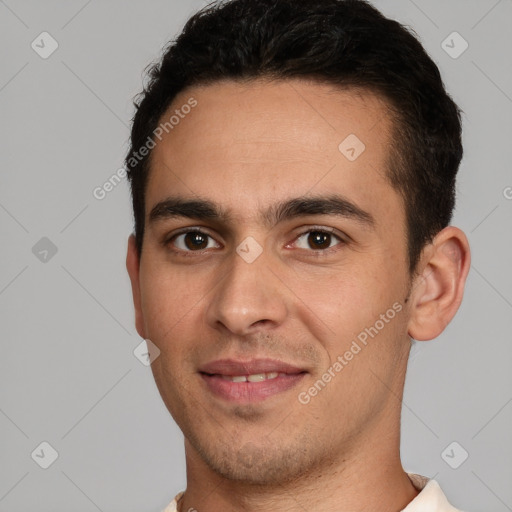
<point>260,322</point>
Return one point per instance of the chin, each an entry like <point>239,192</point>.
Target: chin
<point>255,464</point>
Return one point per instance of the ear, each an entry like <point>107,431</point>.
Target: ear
<point>133,266</point>
<point>438,288</point>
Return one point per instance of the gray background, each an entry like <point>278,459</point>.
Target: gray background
<point>68,373</point>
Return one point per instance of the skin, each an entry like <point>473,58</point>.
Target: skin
<point>248,147</point>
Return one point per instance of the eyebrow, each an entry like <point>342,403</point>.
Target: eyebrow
<point>203,209</point>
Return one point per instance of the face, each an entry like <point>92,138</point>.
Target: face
<point>274,275</point>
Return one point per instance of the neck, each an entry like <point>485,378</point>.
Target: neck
<point>370,477</point>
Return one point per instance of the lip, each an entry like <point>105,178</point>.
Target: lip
<point>232,367</point>
<point>249,392</point>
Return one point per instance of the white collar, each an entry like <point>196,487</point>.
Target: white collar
<point>430,499</point>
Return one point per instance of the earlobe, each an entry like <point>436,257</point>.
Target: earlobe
<point>133,267</point>
<point>438,289</point>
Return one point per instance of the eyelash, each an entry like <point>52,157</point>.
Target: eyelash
<point>341,240</point>
<point>168,242</point>
<point>323,231</point>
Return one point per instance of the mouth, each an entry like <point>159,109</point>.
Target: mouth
<point>250,381</point>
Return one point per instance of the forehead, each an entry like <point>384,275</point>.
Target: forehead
<point>245,145</point>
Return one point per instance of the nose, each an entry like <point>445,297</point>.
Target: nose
<point>249,297</point>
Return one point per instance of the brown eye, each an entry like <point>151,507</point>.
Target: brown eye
<point>194,241</point>
<point>319,240</point>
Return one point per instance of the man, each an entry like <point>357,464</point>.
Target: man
<point>292,167</point>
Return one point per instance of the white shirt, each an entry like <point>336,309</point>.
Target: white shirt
<point>430,499</point>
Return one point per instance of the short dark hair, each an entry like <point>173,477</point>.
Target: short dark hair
<point>346,43</point>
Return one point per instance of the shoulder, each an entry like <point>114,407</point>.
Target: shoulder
<point>431,496</point>
<point>173,506</point>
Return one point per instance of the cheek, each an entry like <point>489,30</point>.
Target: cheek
<point>337,306</point>
<point>336,300</point>
<point>169,300</point>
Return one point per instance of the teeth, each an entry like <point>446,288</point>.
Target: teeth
<point>257,377</point>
